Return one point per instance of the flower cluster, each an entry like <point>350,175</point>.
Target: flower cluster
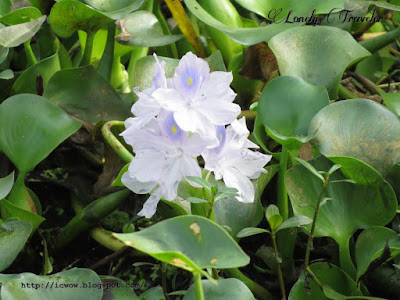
<point>181,118</point>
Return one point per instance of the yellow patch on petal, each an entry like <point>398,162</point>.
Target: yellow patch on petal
<point>173,129</point>
<point>221,137</point>
<point>190,81</point>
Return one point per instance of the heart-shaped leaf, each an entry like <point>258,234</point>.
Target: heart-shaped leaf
<point>30,128</point>
<point>286,107</point>
<point>142,28</point>
<point>250,231</point>
<point>6,185</point>
<point>392,101</point>
<point>115,9</point>
<point>230,288</point>
<point>353,206</point>
<point>26,82</point>
<point>359,128</point>
<point>5,7</point>
<point>370,246</point>
<point>13,236</point>
<point>300,52</point>
<point>68,16</point>
<point>15,35</point>
<point>189,242</point>
<point>94,101</point>
<point>71,284</point>
<point>329,275</point>
<point>10,210</point>
<point>244,36</point>
<point>6,74</point>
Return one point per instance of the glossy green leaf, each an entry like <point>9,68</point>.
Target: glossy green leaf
<point>22,15</point>
<point>117,181</point>
<point>311,168</point>
<point>293,222</point>
<point>15,35</point>
<point>5,7</point>
<point>268,9</point>
<point>6,74</point>
<point>250,231</point>
<point>93,101</point>
<point>68,16</point>
<point>6,184</point>
<point>332,294</point>
<point>299,52</point>
<point>359,128</point>
<point>116,289</point>
<point>13,236</point>
<point>142,28</point>
<point>271,211</point>
<point>10,210</point>
<point>26,82</point>
<point>281,110</point>
<point>327,274</point>
<point>31,127</point>
<point>71,284</point>
<point>230,288</point>
<point>115,9</point>
<point>392,101</point>
<point>354,206</point>
<point>196,200</point>
<point>244,36</point>
<point>370,245</point>
<point>189,242</point>
<point>155,293</point>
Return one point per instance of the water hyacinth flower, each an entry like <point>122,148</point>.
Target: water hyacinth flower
<point>165,154</point>
<point>234,162</point>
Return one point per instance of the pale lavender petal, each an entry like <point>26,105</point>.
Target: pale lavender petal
<point>219,112</point>
<point>247,162</point>
<point>170,100</point>
<point>190,75</point>
<point>159,80</point>
<point>148,165</point>
<point>217,87</point>
<point>145,106</point>
<point>236,180</point>
<point>150,206</point>
<point>136,186</point>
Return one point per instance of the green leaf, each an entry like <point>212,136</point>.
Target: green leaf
<point>31,127</point>
<point>358,128</point>
<point>332,294</point>
<point>115,9</point>
<point>71,284</point>
<point>22,15</point>
<point>117,289</point>
<point>68,16</point>
<point>154,293</point>
<point>244,36</point>
<point>6,74</point>
<point>141,28</point>
<point>311,168</point>
<point>298,8</point>
<point>392,101</point>
<point>94,101</point>
<point>5,7</point>
<point>272,210</point>
<point>230,288</point>
<point>281,109</point>
<point>327,274</point>
<point>15,35</point>
<point>334,169</point>
<point>275,221</point>
<point>250,231</point>
<point>196,200</point>
<point>13,236</point>
<point>296,221</point>
<point>354,206</point>
<point>6,184</point>
<point>10,210</point>
<point>321,64</point>
<point>26,82</point>
<point>117,181</point>
<point>200,181</point>
<point>189,242</point>
<point>370,244</point>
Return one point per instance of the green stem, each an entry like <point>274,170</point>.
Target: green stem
<point>30,56</point>
<point>282,201</point>
<point>19,195</point>
<point>87,55</point>
<point>198,286</point>
<point>280,276</point>
<point>259,292</point>
<point>346,263</point>
<point>344,93</point>
<point>374,44</point>
<point>114,143</point>
<point>215,273</point>
<point>172,49</point>
<point>311,236</point>
<point>137,54</point>
<point>106,61</point>
<point>248,114</point>
<point>316,280</point>
<point>89,217</point>
<point>164,279</point>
